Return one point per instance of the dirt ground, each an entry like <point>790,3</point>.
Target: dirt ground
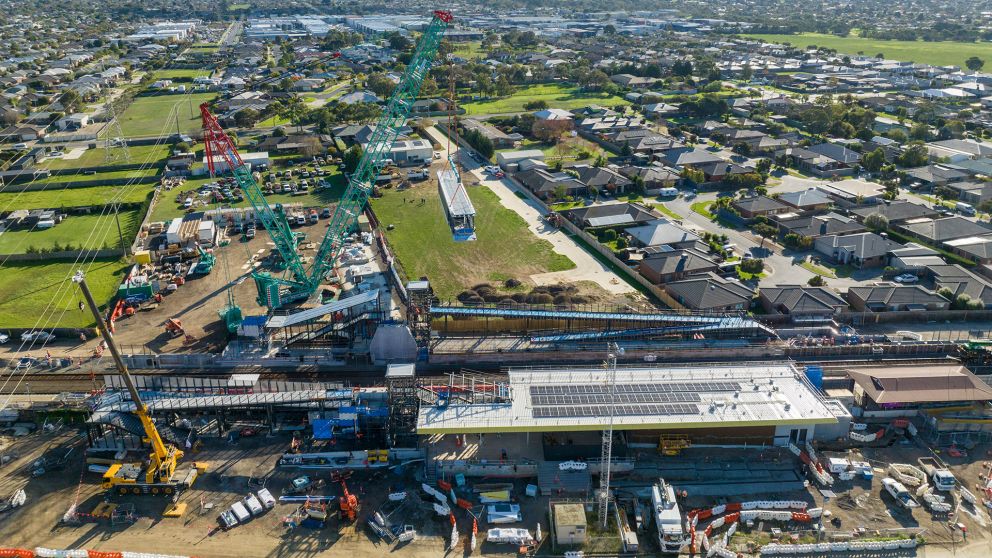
<point>231,467</point>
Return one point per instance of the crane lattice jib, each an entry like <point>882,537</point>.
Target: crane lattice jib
<point>217,145</point>
<point>387,128</point>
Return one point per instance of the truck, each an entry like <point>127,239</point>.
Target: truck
<point>938,474</point>
<point>964,208</point>
<point>899,493</point>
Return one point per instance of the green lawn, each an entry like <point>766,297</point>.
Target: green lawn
<point>422,240</point>
<point>100,176</point>
<point>470,50</point>
<point>181,73</point>
<point>89,231</point>
<point>557,95</point>
<point>150,116</point>
<point>664,209</point>
<point>140,154</point>
<point>943,53</point>
<point>568,150</point>
<point>26,289</point>
<point>703,208</point>
<point>72,197</point>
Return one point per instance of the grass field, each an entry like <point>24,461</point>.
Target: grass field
<point>149,116</point>
<point>89,231</point>
<point>557,95</point>
<point>470,50</point>
<point>26,289</point>
<point>943,53</point>
<point>71,197</point>
<point>181,73</point>
<point>99,176</point>
<point>423,243</point>
<point>568,149</point>
<point>140,154</point>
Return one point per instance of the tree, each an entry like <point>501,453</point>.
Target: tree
<point>246,118</point>
<point>311,146</point>
<point>70,100</point>
<point>539,104</point>
<point>765,230</point>
<point>609,29</point>
<point>877,222</point>
<point>682,68</point>
<point>551,131</point>
<point>352,157</point>
<point>296,111</point>
<point>920,131</point>
<point>816,281</point>
<point>874,161</point>
<point>380,84</point>
<point>974,63</point>
<point>399,42</point>
<point>742,148</point>
<point>746,72</point>
<point>916,155</point>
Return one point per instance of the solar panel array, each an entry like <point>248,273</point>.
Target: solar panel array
<point>590,400</point>
<point>669,387</point>
<point>620,410</point>
<point>621,398</point>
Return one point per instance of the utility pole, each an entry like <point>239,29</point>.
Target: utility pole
<point>120,234</point>
<point>606,455</point>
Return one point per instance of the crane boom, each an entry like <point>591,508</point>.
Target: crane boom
<point>387,128</point>
<point>303,282</point>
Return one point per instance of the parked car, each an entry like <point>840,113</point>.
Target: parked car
<point>250,233</point>
<point>4,338</point>
<point>325,213</point>
<point>906,278</point>
<point>42,336</point>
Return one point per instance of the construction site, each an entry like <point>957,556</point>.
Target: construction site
<point>269,383</point>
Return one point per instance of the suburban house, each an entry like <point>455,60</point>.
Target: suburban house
<point>507,159</point>
<point>711,292</point>
<point>499,138</point>
<point>853,191</point>
<point>860,250</point>
<point>547,184</point>
<point>914,257</point>
<point>690,157</point>
<point>664,267</point>
<point>937,175</point>
<point>807,200</point>
<point>895,212</point>
<point>818,163</point>
<point>655,178</point>
<point>553,114</point>
<point>820,225</point>
<point>939,231</point>
<point>602,178</point>
<point>895,298</point>
<point>612,215</point>
<point>961,281</point>
<point>411,152</point>
<point>955,150</point>
<point>661,232</point>
<point>976,248</point>
<point>972,192</point>
<point>759,206</point>
<point>802,302</point>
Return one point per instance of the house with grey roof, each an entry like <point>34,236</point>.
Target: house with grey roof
<point>860,250</point>
<point>914,257</point>
<point>802,302</point>
<point>659,232</point>
<point>961,281</point>
<point>610,215</point>
<point>758,206</point>
<point>820,225</point>
<point>664,267</point>
<point>806,200</point>
<point>976,248</point>
<point>711,292</point>
<point>895,298</point>
<point>897,211</point>
<point>939,231</point>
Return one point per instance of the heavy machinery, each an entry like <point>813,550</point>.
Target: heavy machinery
<point>300,282</point>
<point>206,263</point>
<point>158,475</point>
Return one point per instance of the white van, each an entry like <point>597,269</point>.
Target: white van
<point>253,505</point>
<point>241,512</point>
<point>266,498</point>
<point>964,208</point>
<point>668,192</point>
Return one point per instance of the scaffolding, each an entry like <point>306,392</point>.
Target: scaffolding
<point>403,405</point>
<point>418,315</point>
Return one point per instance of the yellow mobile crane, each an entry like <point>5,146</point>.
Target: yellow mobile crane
<point>159,477</point>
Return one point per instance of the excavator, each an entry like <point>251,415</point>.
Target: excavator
<point>158,475</point>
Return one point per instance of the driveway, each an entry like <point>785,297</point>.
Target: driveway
<point>587,267</point>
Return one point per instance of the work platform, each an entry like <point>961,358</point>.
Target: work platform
<point>457,205</point>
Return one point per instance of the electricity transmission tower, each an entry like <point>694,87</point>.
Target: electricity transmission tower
<point>114,144</point>
<point>606,455</point>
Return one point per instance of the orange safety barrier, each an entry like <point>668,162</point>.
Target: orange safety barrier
<point>451,516</point>
<point>16,553</point>
<point>705,514</point>
<point>734,507</point>
<point>464,504</point>
<point>444,485</point>
<point>731,518</point>
<point>801,517</point>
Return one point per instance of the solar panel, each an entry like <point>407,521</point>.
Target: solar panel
<point>671,387</point>
<point>620,410</point>
<point>621,398</point>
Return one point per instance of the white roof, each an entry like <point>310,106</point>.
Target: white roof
<point>745,394</point>
<point>276,322</point>
<point>455,196</point>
